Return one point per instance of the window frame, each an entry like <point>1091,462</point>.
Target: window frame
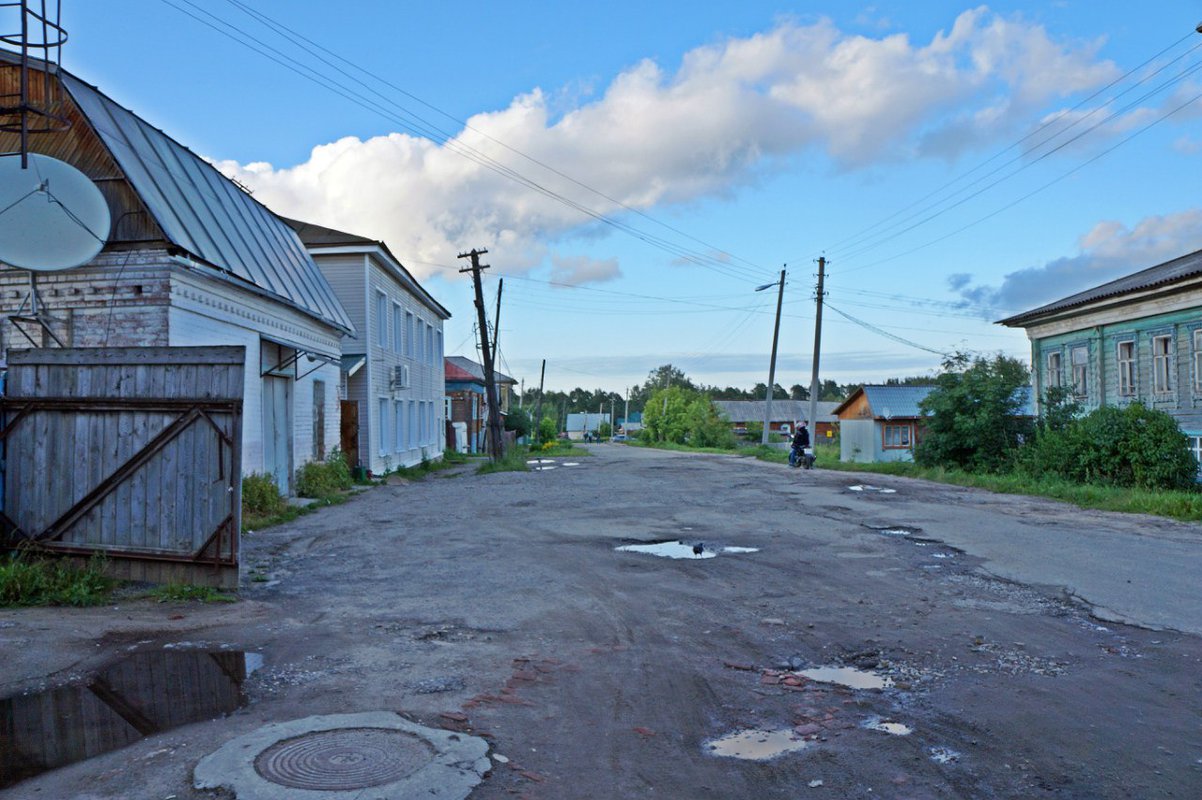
<point>903,427</point>
<point>1054,375</point>
<point>398,341</point>
<point>1080,371</point>
<point>1162,364</point>
<point>1197,342</point>
<point>382,436</point>
<point>1126,368</point>
<point>381,319</point>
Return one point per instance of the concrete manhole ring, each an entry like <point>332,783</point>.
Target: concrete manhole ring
<point>346,758</point>
<point>370,756</point>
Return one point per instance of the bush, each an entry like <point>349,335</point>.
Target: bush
<point>518,421</point>
<point>26,581</point>
<point>260,496</point>
<point>1133,446</point>
<point>324,478</point>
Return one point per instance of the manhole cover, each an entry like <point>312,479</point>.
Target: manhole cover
<point>348,758</point>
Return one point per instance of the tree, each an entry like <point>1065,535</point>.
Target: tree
<point>547,429</point>
<point>518,421</point>
<point>975,417</point>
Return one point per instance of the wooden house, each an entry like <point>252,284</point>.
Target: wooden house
<point>394,413</point>
<point>191,260</point>
<point>783,417</point>
<point>467,404</point>
<point>880,423</point>
<point>1136,338</point>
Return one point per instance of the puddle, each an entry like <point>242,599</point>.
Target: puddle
<point>573,463</point>
<point>534,461</point>
<point>679,549</point>
<point>143,694</point>
<point>850,677</point>
<point>757,745</point>
<point>942,555</point>
<point>894,532</point>
<point>885,726</point>
<point>943,755</point>
<point>869,488</point>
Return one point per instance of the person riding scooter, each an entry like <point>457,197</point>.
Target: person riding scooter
<point>801,442</point>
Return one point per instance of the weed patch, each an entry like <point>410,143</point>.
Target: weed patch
<point>27,580</point>
<point>183,592</point>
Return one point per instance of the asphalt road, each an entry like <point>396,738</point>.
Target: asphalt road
<point>1030,649</point>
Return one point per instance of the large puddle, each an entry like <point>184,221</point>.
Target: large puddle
<point>757,745</point>
<point>850,677</point>
<point>141,695</point>
<point>679,549</point>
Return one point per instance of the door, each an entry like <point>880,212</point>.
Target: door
<point>349,433</point>
<point>277,431</point>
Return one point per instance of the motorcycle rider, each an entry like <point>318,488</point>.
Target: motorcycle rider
<point>801,440</point>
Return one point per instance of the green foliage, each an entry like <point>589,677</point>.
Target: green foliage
<point>547,430</point>
<point>31,581</point>
<point>679,415</point>
<point>260,495</point>
<point>518,421</point>
<point>514,460</point>
<point>605,430</point>
<point>183,592</point>
<point>1134,446</point>
<point>755,431</point>
<point>974,420</point>
<point>323,478</point>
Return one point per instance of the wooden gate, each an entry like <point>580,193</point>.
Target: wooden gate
<point>130,452</point>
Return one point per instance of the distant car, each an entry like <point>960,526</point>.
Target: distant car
<point>621,437</point>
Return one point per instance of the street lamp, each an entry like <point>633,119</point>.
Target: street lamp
<point>772,364</point>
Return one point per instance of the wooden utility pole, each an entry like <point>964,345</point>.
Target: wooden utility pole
<point>817,351</point>
<point>496,445</point>
<point>496,320</point>
<point>538,412</point>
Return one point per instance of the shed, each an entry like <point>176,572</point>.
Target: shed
<point>880,423</point>
<point>784,416</point>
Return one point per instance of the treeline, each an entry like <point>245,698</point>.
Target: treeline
<point>581,400</point>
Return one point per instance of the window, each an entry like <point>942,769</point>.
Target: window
<point>1080,357</point>
<point>430,345</point>
<point>396,328</point>
<point>1198,360</point>
<point>1195,445</point>
<point>412,423</point>
<point>438,348</point>
<point>1126,362</point>
<point>383,420</point>
<point>1162,362</point>
<point>398,424</point>
<point>319,420</point>
<point>897,437</point>
<point>409,333</point>
<point>381,319</point>
<point>1054,375</point>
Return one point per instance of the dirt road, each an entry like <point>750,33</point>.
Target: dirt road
<point>499,605</point>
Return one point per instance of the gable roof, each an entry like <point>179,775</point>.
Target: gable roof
<point>1162,275</point>
<point>782,410</point>
<point>901,402</point>
<point>317,237</point>
<point>200,211</point>
<point>468,370</point>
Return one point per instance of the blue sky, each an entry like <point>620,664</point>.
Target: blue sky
<point>955,163</point>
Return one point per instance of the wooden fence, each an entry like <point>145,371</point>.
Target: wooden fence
<point>130,452</point>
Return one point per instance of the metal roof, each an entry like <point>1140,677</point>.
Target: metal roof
<point>319,236</point>
<point>471,368</point>
<point>1187,266</point>
<point>782,410</point>
<point>204,213</point>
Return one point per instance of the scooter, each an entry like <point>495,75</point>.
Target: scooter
<point>803,459</point>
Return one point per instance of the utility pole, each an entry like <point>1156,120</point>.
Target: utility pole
<point>538,409</point>
<point>496,320</point>
<point>522,394</point>
<point>780,296</point>
<point>626,415</point>
<point>817,351</point>
<point>496,446</point>
<point>611,419</point>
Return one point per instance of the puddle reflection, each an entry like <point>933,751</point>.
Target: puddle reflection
<point>884,726</point>
<point>847,676</point>
<point>679,549</point>
<point>144,694</point>
<point>757,745</point>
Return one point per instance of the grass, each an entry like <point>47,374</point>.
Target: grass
<point>257,520</point>
<point>27,580</point>
<point>1173,504</point>
<point>183,592</point>
<point>514,461</point>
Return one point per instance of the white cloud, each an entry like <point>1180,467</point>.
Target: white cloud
<point>731,111</point>
<point>1108,251</point>
<point>581,270</point>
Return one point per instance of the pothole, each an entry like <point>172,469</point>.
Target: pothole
<point>943,755</point>
<point>141,695</point>
<point>683,550</point>
<point>887,726</point>
<point>757,745</point>
<point>849,677</point>
<point>865,487</point>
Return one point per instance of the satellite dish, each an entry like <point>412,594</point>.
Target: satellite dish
<point>52,216</point>
<point>887,412</point>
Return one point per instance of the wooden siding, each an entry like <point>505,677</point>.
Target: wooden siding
<point>90,466</point>
<point>1183,403</point>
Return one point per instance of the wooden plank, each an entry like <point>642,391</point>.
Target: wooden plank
<point>126,356</point>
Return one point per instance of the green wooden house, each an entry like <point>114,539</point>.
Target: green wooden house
<point>1137,338</point>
